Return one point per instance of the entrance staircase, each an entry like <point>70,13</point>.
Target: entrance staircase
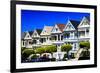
<point>77,55</point>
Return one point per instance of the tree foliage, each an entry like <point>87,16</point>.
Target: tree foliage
<point>46,49</point>
<point>66,47</point>
<point>85,44</point>
<point>27,52</point>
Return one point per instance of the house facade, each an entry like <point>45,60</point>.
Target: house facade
<point>72,33</point>
<point>27,39</point>
<point>46,35</point>
<point>57,36</point>
<point>84,29</point>
<point>36,38</point>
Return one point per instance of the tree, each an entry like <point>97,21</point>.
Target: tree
<point>66,48</point>
<point>85,44</point>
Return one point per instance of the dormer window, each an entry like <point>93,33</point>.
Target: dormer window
<point>35,34</point>
<point>56,29</point>
<point>69,26</point>
<point>44,31</point>
<point>28,36</point>
<point>87,30</point>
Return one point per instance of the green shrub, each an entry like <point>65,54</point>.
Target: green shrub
<point>22,49</point>
<point>85,54</point>
<point>27,52</point>
<point>66,47</point>
<point>65,55</point>
<point>40,50</point>
<point>34,56</point>
<point>51,48</point>
<point>46,49</point>
<point>85,44</point>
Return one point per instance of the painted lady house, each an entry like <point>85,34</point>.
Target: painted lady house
<point>46,35</point>
<point>27,39</point>
<point>36,38</point>
<point>70,33</point>
<point>83,29</point>
<point>57,35</point>
<point>73,32</point>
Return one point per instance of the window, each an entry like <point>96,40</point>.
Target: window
<point>30,42</point>
<point>75,46</point>
<point>87,30</point>
<point>69,26</point>
<point>76,34</point>
<point>28,36</point>
<point>35,34</point>
<point>85,22</point>
<point>56,29</point>
<point>23,43</point>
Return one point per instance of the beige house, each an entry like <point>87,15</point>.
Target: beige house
<point>46,35</point>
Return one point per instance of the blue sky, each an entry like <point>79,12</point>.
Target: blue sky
<point>32,19</point>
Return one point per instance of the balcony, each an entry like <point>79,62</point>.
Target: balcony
<point>70,39</point>
<point>84,37</point>
<point>28,46</point>
<point>48,42</point>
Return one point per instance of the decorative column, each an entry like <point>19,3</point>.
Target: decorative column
<point>60,37</point>
<point>57,37</point>
<point>37,41</point>
<point>85,32</point>
<point>73,35</point>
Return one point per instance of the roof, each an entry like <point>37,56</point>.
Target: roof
<point>23,35</point>
<point>39,31</point>
<point>47,30</point>
<point>75,23</point>
<point>61,26</point>
<point>30,32</point>
<point>87,17</point>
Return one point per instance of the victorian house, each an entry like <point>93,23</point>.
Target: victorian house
<point>70,33</point>
<point>27,39</point>
<point>46,35</point>
<point>57,35</point>
<point>36,38</point>
<point>84,29</point>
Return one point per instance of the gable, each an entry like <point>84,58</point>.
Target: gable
<point>84,23</point>
<point>46,30</point>
<point>27,36</point>
<point>43,32</point>
<point>69,27</point>
<point>56,29</point>
<point>35,34</point>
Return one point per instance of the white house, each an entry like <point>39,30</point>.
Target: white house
<point>27,39</point>
<point>70,34</point>
<point>36,37</point>
<point>84,29</point>
<point>22,39</point>
<point>57,35</point>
